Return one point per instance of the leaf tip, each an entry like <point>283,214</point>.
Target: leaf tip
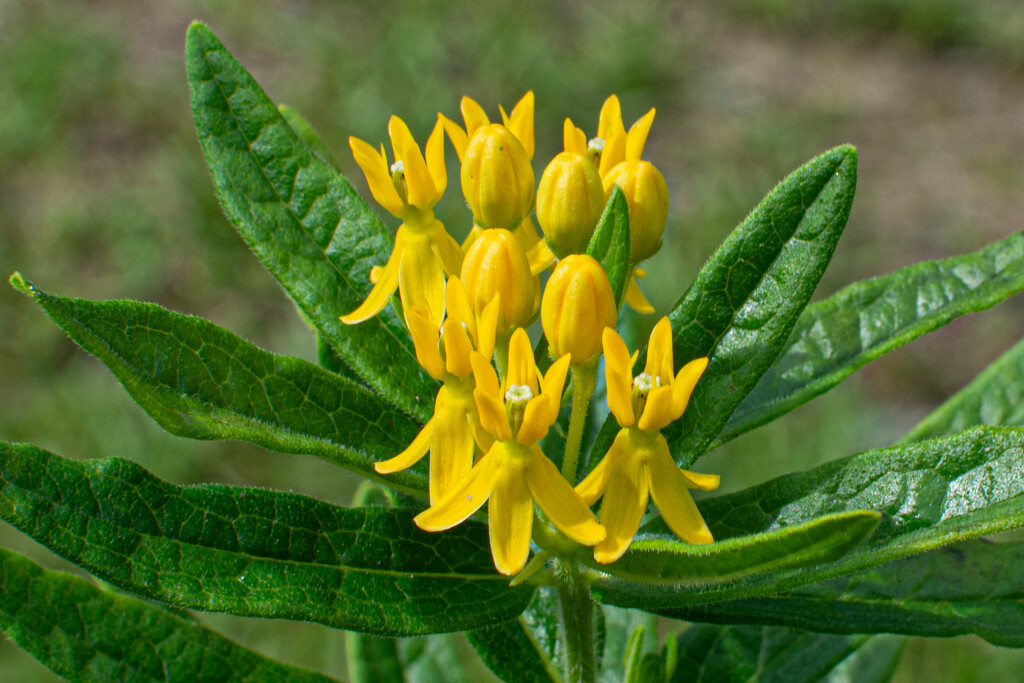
<point>21,284</point>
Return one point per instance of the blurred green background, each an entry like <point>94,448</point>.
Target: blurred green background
<point>103,193</point>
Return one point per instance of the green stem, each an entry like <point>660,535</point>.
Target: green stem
<point>583,379</point>
<point>501,354</point>
<point>576,623</point>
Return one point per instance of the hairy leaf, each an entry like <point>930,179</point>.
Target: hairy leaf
<point>200,381</point>
<point>868,319</point>
<point>930,494</point>
<point>973,587</point>
<point>308,134</point>
<point>86,633</point>
<point>301,218</point>
<point>610,243</point>
<point>820,540</point>
<point>255,552</point>
<point>512,652</point>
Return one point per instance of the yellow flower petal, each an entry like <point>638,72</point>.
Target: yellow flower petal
<point>382,290</point>
<point>625,501</point>
<point>573,139</point>
<point>673,500</point>
<point>594,484</point>
<point>613,153</point>
<point>540,257</point>
<point>683,386</point>
<point>490,405</point>
<point>435,159</point>
<point>452,447</point>
<point>411,455</point>
<point>659,351</point>
<point>456,134</point>
<point>421,278</point>
<point>618,372</point>
<point>636,300</point>
<point>637,136</point>
<point>418,181</point>
<point>473,114</point>
<point>658,411</point>
<point>424,338</point>
<point>465,499</point>
<point>610,121</point>
<point>521,366</point>
<point>510,517</point>
<point>445,248</point>
<point>526,233</point>
<point>486,326</point>
<point>457,348</point>
<point>521,122</point>
<point>553,383</point>
<point>704,482</point>
<point>535,419</point>
<point>400,136</point>
<point>456,304</point>
<point>484,375</point>
<point>378,176</point>
<point>562,505</point>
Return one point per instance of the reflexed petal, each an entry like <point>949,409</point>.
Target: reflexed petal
<point>535,419</point>
<point>457,348</point>
<point>411,455</point>
<point>625,501</point>
<point>446,249</point>
<point>466,498</point>
<point>560,502</point>
<point>686,380</point>
<point>418,181</point>
<point>526,233</point>
<point>521,122</point>
<point>636,300</point>
<point>618,373</point>
<point>521,367</point>
<point>610,121</point>
<point>456,304</point>
<point>424,338</point>
<point>473,114</point>
<point>613,154</point>
<point>451,450</point>
<point>483,373</point>
<point>382,290</point>
<point>659,351</point>
<point>553,384</point>
<point>594,484</point>
<point>487,325</point>
<point>637,136</point>
<point>658,411</point>
<point>435,159</point>
<point>673,500</point>
<point>375,273</point>
<point>421,278</point>
<point>540,257</point>
<point>573,139</point>
<point>704,482</point>
<point>510,517</point>
<point>456,134</point>
<point>489,404</point>
<point>378,176</point>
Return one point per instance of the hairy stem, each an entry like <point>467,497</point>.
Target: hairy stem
<point>576,622</point>
<point>583,380</point>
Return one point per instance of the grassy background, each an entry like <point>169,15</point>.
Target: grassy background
<point>103,192</point>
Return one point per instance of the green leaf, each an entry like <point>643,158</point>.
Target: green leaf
<point>868,319</point>
<point>820,540</point>
<point>200,381</point>
<point>747,653</point>
<point>308,135</point>
<point>255,552</point>
<point>372,659</point>
<point>930,494</point>
<point>301,218</point>
<point>610,243</point>
<point>85,633</point>
<point>995,397</point>
<point>512,653</point>
<point>433,658</point>
<point>875,661</point>
<point>742,307</point>
<point>972,587</point>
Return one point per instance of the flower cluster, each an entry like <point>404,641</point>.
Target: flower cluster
<point>468,309</point>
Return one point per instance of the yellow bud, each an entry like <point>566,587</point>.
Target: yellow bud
<point>497,178</point>
<point>647,195</point>
<point>496,263</point>
<point>578,304</point>
<point>569,202</point>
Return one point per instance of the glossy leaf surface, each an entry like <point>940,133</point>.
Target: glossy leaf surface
<point>200,381</point>
<point>301,218</point>
<point>86,633</point>
<point>255,552</point>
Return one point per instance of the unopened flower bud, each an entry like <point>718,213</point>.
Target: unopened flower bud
<point>496,263</point>
<point>647,195</point>
<point>578,304</point>
<point>570,199</point>
<point>497,178</point>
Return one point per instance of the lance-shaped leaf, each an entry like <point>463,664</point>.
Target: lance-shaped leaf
<point>86,633</point>
<point>512,652</point>
<point>870,318</point>
<point>255,552</point>
<point>995,397</point>
<point>200,381</point>
<point>746,653</point>
<point>301,218</point>
<point>813,542</point>
<point>610,243</point>
<point>930,494</point>
<point>973,587</point>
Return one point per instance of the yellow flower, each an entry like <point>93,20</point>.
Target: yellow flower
<point>514,472</point>
<point>578,305</point>
<point>450,433</point>
<point>647,196</point>
<point>424,252</point>
<point>570,197</point>
<point>638,463</point>
<point>497,178</point>
<point>496,264</point>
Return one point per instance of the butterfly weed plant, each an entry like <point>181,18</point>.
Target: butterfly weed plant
<point>531,492</point>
